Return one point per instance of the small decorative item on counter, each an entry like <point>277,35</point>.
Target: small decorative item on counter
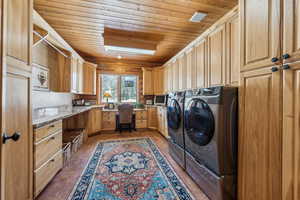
<point>140,106</point>
<point>111,106</point>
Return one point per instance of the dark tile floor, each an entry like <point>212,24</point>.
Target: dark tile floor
<point>62,184</point>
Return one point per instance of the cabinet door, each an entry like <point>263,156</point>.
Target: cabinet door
<point>162,81</point>
<point>189,60</point>
<point>170,80</point>
<point>74,75</point>
<point>165,87</point>
<point>291,29</point>
<point>260,33</point>
<point>182,72</point>
<point>19,29</point>
<point>201,60</point>
<point>147,82</point>
<point>216,57</point>
<point>152,117</point>
<point>89,79</point>
<point>260,138</point>
<point>175,75</point>
<point>193,72</point>
<point>17,162</point>
<point>291,130</point>
<point>233,51</point>
<point>80,76</point>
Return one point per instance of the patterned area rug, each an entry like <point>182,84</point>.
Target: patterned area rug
<point>129,170</point>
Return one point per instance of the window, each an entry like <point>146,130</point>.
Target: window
<point>122,88</point>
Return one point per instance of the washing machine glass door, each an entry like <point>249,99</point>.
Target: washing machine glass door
<point>199,122</point>
<point>174,114</point>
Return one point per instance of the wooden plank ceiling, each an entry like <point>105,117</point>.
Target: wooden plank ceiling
<point>163,23</point>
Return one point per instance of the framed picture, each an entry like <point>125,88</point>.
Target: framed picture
<point>40,78</point>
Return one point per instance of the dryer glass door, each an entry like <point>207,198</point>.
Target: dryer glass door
<point>174,114</point>
<point>199,122</point>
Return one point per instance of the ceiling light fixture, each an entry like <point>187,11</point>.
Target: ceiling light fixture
<point>198,16</point>
<point>129,50</point>
<point>119,57</point>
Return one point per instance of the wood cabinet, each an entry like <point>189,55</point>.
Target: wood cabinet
<point>260,142</point>
<point>166,79</point>
<point>158,80</point>
<point>233,51</point>
<point>170,79</point>
<point>147,81</point>
<point>80,77</point>
<point>260,33</point>
<point>60,75</point>
<point>189,61</point>
<point>291,129</point>
<point>141,119</point>
<point>74,75</point>
<point>94,123</point>
<point>152,117</point>
<point>47,154</point>
<point>201,64</point>
<point>16,162</point>
<point>108,120</point>
<point>291,30</point>
<point>19,29</point>
<point>89,78</point>
<point>216,57</point>
<point>175,77</point>
<point>161,119</point>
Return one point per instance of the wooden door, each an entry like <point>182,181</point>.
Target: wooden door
<point>201,60</point>
<point>260,137</point>
<point>291,30</point>
<point>216,57</point>
<point>260,33</point>
<point>233,51</point>
<point>189,61</point>
<point>291,130</point>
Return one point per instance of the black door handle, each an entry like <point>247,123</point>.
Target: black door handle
<point>274,69</point>
<point>15,137</point>
<point>286,56</point>
<point>274,60</point>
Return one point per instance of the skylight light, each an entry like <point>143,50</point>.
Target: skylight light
<point>129,50</point>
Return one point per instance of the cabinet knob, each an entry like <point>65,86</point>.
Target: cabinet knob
<point>285,67</point>
<point>274,69</point>
<point>286,56</point>
<point>275,59</point>
<point>15,137</point>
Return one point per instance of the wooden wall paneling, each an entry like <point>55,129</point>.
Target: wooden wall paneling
<point>201,61</point>
<point>216,57</point>
<point>291,30</point>
<point>260,33</point>
<point>233,51</point>
<point>260,143</point>
<point>291,129</point>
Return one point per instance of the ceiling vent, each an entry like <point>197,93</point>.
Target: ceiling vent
<point>198,16</point>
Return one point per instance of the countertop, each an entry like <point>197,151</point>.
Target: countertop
<point>46,119</point>
<point>41,121</point>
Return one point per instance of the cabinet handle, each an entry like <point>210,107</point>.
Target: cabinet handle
<point>274,69</point>
<point>275,59</point>
<point>15,137</point>
<point>285,67</point>
<point>51,126</point>
<point>286,56</point>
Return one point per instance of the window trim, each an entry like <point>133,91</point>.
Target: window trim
<point>119,77</point>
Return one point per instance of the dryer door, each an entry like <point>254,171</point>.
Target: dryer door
<point>174,114</point>
<point>199,122</point>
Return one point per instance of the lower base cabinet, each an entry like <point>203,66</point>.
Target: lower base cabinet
<point>141,119</point>
<point>94,124</point>
<point>260,137</point>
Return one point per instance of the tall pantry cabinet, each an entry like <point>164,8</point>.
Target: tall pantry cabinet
<point>16,131</point>
<point>269,100</point>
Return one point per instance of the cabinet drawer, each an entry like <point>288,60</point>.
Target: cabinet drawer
<point>45,173</point>
<point>46,148</point>
<point>141,123</point>
<point>109,125</point>
<point>141,115</point>
<point>44,131</point>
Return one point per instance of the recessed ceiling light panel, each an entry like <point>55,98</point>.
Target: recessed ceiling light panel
<point>198,16</point>
<point>129,50</point>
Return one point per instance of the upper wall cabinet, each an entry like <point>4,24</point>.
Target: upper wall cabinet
<point>201,63</point>
<point>175,76</point>
<point>74,75</point>
<point>60,75</point>
<point>18,34</point>
<point>89,78</point>
<point>216,57</point>
<point>260,33</point>
<point>147,81</point>
<point>233,51</point>
<point>291,30</point>
<point>182,72</point>
<point>165,71</point>
<point>158,81</point>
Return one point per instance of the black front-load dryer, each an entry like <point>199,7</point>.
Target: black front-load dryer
<point>175,109</point>
<point>210,128</point>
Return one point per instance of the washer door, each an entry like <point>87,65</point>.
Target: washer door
<point>199,122</point>
<point>174,114</point>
